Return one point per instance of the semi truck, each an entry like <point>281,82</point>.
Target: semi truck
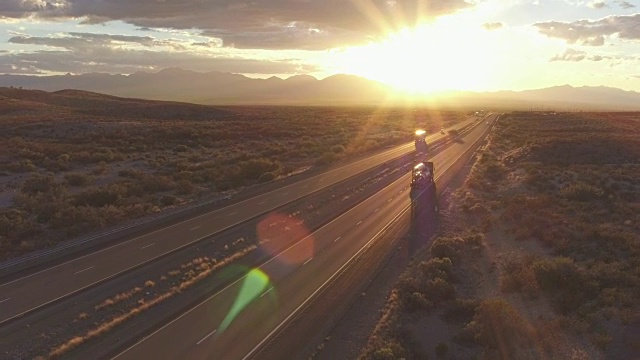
<point>423,186</point>
<point>421,141</point>
<point>424,202</point>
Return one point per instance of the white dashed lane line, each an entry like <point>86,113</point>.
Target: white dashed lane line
<point>306,262</point>
<point>194,228</point>
<point>206,337</point>
<point>146,246</point>
<point>1,301</point>
<point>78,272</point>
<point>266,292</point>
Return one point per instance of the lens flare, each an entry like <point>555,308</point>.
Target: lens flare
<point>277,232</point>
<point>253,285</point>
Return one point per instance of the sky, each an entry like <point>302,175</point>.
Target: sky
<point>412,45</point>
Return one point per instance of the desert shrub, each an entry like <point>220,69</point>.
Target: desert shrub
<point>96,197</point>
<point>74,219</point>
<point>407,283</point>
<point>78,179</point>
<point>185,187</point>
<point>437,268</point>
<point>253,168</point>
<point>156,183</point>
<point>389,350</point>
<point>101,168</point>
<point>38,183</point>
<point>524,280</point>
<point>441,350</point>
<point>327,158</point>
<point>22,166</point>
<point>447,247</point>
<point>438,290</point>
<point>500,327</point>
<point>568,285</point>
<point>453,247</point>
<point>557,273</point>
<point>168,200</point>
<point>581,192</point>
<point>416,301</point>
<point>181,148</point>
<point>461,309</point>
<point>266,177</point>
<point>15,223</point>
<point>130,173</point>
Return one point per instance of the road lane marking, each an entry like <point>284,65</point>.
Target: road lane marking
<point>233,213</point>
<point>338,238</point>
<point>262,202</point>
<point>1,301</point>
<point>286,193</point>
<point>359,222</point>
<point>376,210</point>
<point>306,262</point>
<point>194,228</point>
<point>89,268</point>
<point>266,292</point>
<point>206,337</point>
<point>146,246</point>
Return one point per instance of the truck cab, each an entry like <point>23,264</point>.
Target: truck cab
<point>422,175</point>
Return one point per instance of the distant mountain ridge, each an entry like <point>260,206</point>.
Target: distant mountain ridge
<point>218,88</point>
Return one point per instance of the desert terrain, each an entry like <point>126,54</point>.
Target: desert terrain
<point>537,255</point>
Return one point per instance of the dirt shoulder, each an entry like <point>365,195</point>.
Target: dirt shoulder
<point>538,254</point>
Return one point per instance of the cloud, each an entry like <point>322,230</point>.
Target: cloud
<point>492,26</point>
<point>625,4</point>
<point>570,55</point>
<point>597,4</point>
<point>77,52</point>
<point>82,41</point>
<point>578,55</point>
<point>274,24</point>
<point>593,33</point>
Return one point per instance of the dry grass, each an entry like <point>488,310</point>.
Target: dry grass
<point>118,298</point>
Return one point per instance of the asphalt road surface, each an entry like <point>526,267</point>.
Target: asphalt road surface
<point>238,320</point>
<point>29,293</point>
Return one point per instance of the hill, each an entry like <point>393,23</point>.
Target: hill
<point>218,88</point>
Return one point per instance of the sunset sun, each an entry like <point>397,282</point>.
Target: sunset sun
<point>431,58</point>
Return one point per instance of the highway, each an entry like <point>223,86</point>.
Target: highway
<point>29,293</point>
<point>278,290</point>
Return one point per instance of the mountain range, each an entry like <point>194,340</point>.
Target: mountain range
<point>218,88</point>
